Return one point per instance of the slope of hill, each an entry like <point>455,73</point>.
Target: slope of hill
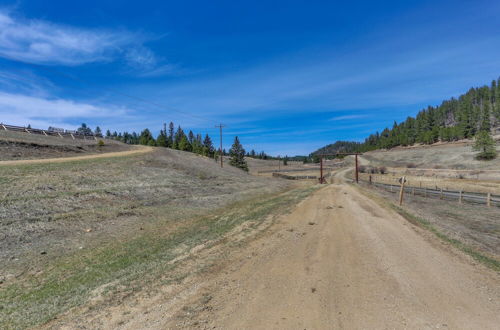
<point>114,219</point>
<point>453,120</point>
<point>19,145</point>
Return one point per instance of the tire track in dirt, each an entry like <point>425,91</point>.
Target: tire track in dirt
<point>342,261</point>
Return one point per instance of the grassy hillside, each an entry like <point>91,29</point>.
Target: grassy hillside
<point>68,229</point>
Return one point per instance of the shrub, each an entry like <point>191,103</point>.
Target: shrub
<point>382,170</point>
<point>100,143</point>
<point>362,168</point>
<point>411,165</point>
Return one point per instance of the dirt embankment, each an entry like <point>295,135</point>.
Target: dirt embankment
<point>20,146</point>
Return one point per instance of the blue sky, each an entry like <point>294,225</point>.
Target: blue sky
<point>286,76</point>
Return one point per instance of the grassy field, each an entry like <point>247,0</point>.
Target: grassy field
<point>120,268</point>
<point>72,232</point>
<point>457,156</point>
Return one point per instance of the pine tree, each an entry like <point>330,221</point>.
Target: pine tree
<point>179,134</point>
<point>170,139</point>
<point>208,147</point>
<point>146,138</point>
<point>485,118</point>
<point>98,131</point>
<point>485,144</point>
<point>237,154</point>
<point>191,137</point>
<point>161,140</point>
<point>184,144</point>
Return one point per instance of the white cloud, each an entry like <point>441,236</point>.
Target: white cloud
<point>44,42</point>
<point>18,109</point>
<point>348,117</point>
<point>141,57</point>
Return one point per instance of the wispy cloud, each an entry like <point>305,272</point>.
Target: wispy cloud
<point>348,117</point>
<point>21,109</point>
<point>44,42</point>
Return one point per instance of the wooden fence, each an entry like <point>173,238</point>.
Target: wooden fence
<point>65,134</point>
<point>488,199</point>
<point>294,177</point>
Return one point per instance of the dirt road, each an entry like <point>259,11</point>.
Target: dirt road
<point>137,150</point>
<point>338,261</point>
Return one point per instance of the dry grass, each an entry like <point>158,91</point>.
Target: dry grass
<point>59,207</point>
<point>120,268</point>
<point>68,229</point>
<point>446,156</point>
<point>432,182</point>
<point>475,227</point>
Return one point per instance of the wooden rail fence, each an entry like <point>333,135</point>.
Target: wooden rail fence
<point>487,199</point>
<point>61,134</point>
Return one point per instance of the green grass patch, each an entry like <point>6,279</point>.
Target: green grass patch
<point>126,266</point>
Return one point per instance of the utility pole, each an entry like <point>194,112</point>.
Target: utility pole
<point>357,175</point>
<point>321,169</point>
<point>221,155</point>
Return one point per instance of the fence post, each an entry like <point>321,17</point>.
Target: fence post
<point>413,191</point>
<point>441,194</point>
<point>425,191</point>
<point>460,197</point>
<point>401,191</point>
<point>488,200</point>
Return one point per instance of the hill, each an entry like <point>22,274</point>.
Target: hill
<point>114,220</point>
<point>453,120</point>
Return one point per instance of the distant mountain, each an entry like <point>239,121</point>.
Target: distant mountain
<point>454,119</point>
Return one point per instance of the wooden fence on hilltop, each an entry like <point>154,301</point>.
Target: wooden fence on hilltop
<point>47,132</point>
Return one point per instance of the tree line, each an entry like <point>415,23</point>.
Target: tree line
<point>478,110</point>
<point>177,139</point>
